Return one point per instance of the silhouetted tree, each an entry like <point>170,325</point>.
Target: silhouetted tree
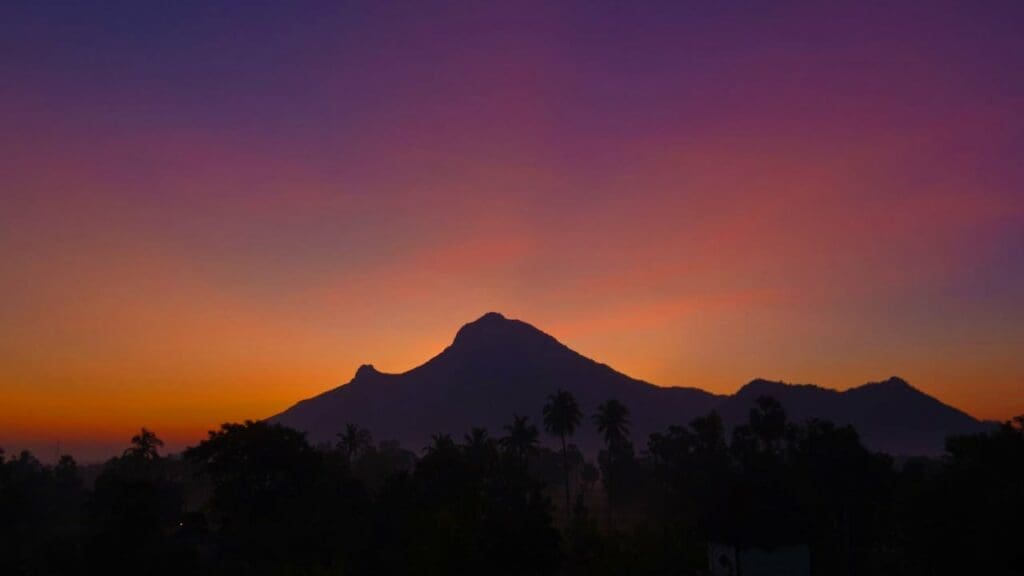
<point>692,469</point>
<point>466,511</point>
<point>441,444</point>
<point>136,505</point>
<point>760,495</point>
<point>277,503</point>
<point>981,503</point>
<point>612,420</point>
<point>353,441</point>
<point>144,446</point>
<point>41,524</point>
<point>768,423</point>
<point>838,490</point>
<point>561,418</point>
<point>376,464</point>
<point>520,440</point>
<point>481,451</point>
<point>478,440</point>
<point>262,500</point>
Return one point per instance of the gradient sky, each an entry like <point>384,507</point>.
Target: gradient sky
<point>209,211</point>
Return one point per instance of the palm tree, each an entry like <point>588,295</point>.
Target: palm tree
<point>477,438</point>
<point>612,420</point>
<point>441,444</point>
<point>478,444</point>
<point>521,439</point>
<point>561,418</point>
<point>479,448</point>
<point>353,441</point>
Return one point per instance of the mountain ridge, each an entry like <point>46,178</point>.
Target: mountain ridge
<point>496,367</point>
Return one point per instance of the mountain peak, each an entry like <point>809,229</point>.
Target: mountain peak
<point>365,371</point>
<point>892,383</point>
<point>896,382</point>
<point>494,327</point>
<point>761,386</point>
<point>499,366</point>
<point>491,317</point>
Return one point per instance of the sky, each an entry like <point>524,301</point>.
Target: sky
<point>211,210</point>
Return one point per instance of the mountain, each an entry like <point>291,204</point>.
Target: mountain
<point>891,416</point>
<point>497,367</point>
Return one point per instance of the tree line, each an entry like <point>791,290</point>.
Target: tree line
<point>259,498</point>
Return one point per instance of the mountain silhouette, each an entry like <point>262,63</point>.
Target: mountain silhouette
<point>497,367</point>
<point>891,415</point>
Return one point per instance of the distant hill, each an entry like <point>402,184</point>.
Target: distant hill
<point>891,416</point>
<point>497,367</point>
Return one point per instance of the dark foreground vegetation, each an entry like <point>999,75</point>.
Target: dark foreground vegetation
<point>256,498</point>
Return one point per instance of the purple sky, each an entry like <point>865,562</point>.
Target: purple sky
<point>211,210</point>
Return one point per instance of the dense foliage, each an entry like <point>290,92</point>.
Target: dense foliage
<point>257,498</point>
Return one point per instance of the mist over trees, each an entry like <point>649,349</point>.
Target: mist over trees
<point>258,498</point>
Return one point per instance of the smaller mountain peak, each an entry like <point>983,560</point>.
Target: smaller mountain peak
<point>761,386</point>
<point>364,371</point>
<point>893,383</point>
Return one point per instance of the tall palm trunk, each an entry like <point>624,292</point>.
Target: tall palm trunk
<point>565,467</point>
<point>608,490</point>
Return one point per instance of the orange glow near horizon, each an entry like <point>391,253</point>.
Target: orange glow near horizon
<point>197,227</point>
